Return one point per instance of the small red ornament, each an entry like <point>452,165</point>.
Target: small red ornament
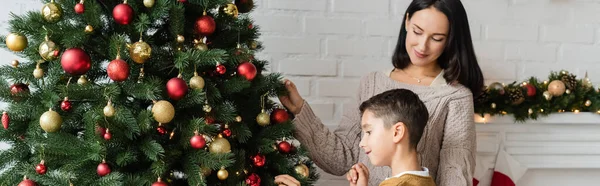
<point>284,147</point>
<point>75,61</point>
<point>56,53</point>
<point>209,120</point>
<point>227,132</point>
<point>123,14</point>
<point>41,168</point>
<point>259,160</point>
<point>100,131</point>
<point>107,135</point>
<point>65,105</point>
<point>205,25</point>
<point>248,70</point>
<point>197,141</point>
<point>161,130</point>
<point>531,90</point>
<point>19,88</point>
<point>253,180</point>
<point>176,88</point>
<point>103,169</point>
<point>118,70</point>
<point>279,116</point>
<point>250,26</point>
<point>221,69</point>
<point>5,120</point>
<point>79,8</point>
<point>159,183</point>
<point>27,182</point>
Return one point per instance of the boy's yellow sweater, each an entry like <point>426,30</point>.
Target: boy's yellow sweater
<point>409,180</point>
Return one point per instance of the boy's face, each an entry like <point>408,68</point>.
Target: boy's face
<point>377,141</point>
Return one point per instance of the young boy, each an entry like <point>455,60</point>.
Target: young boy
<point>392,125</point>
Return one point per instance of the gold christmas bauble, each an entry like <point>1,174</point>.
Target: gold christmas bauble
<point>52,12</point>
<point>50,121</point>
<point>206,108</point>
<point>497,86</point>
<point>38,72</point>
<point>219,145</point>
<point>205,171</point>
<point>197,82</point>
<point>222,174</point>
<point>48,50</point>
<point>238,118</point>
<point>82,80</point>
<point>16,42</point>
<point>253,44</point>
<point>180,39</point>
<point>15,63</point>
<point>302,170</point>
<point>263,119</point>
<point>89,29</point>
<point>547,95</point>
<point>148,3</point>
<point>556,88</point>
<point>163,111</point>
<point>198,44</point>
<point>109,110</point>
<point>231,10</point>
<point>140,51</point>
<point>588,103</point>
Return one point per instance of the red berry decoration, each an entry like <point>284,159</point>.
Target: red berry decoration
<point>65,105</point>
<point>41,168</point>
<point>75,61</point>
<point>5,120</point>
<point>284,147</point>
<point>79,8</point>
<point>197,141</point>
<point>221,69</point>
<point>27,182</point>
<point>103,169</point>
<point>253,180</point>
<point>259,160</point>
<point>107,135</point>
<point>161,130</point>
<point>227,132</point>
<point>176,88</point>
<point>248,70</point>
<point>209,120</point>
<point>118,70</point>
<point>531,90</point>
<point>159,183</point>
<point>279,116</point>
<point>123,14</point>
<point>205,25</point>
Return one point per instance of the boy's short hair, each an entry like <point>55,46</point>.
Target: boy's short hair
<point>399,105</point>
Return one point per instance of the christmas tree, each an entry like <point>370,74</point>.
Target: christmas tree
<point>152,92</point>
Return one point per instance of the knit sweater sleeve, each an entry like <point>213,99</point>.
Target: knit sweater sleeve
<point>457,156</point>
<point>333,151</point>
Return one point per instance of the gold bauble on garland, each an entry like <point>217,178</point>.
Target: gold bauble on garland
<point>51,121</point>
<point>163,111</point>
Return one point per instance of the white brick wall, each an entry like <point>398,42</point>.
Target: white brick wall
<point>324,46</point>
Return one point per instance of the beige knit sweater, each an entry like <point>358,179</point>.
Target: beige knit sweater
<point>447,147</point>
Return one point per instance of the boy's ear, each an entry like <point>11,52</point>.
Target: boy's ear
<point>399,131</point>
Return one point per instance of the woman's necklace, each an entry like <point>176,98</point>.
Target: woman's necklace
<point>418,79</point>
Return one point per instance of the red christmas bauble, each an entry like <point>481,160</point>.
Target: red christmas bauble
<point>103,169</point>
<point>248,70</point>
<point>253,180</point>
<point>19,88</point>
<point>160,183</point>
<point>176,88</point>
<point>259,160</point>
<point>227,132</point>
<point>79,8</point>
<point>221,69</point>
<point>284,147</point>
<point>279,116</point>
<point>65,105</point>
<point>118,70</point>
<point>41,168</point>
<point>27,182</point>
<point>205,25</point>
<point>161,130</point>
<point>5,120</point>
<point>107,135</point>
<point>250,26</point>
<point>531,90</point>
<point>123,14</point>
<point>197,142</point>
<point>209,120</point>
<point>75,61</point>
<point>100,131</point>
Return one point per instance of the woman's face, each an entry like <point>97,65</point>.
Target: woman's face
<point>426,37</point>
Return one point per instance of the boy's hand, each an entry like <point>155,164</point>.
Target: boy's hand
<point>286,180</point>
<point>358,175</point>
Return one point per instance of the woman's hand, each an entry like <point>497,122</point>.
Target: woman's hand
<point>286,180</point>
<point>293,101</point>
